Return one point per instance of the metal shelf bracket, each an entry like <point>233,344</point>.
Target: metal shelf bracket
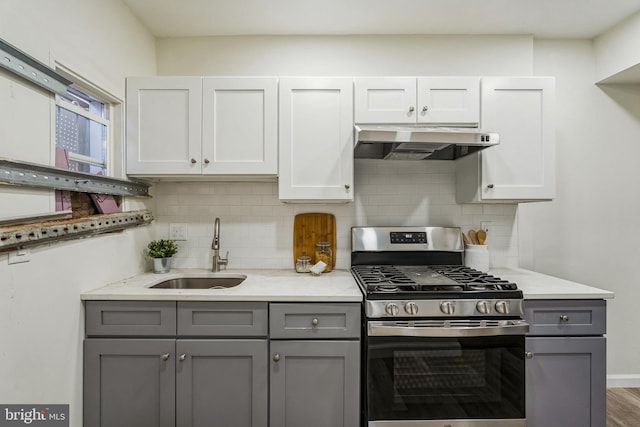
<point>28,235</point>
<point>14,172</point>
<point>29,68</point>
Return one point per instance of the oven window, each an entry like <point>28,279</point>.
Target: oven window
<point>445,378</point>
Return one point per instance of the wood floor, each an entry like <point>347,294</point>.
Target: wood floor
<point>623,407</point>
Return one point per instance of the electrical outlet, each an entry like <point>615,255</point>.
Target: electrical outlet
<point>21,255</point>
<point>485,225</point>
<point>178,231</point>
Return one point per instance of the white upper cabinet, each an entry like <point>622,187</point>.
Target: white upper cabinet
<point>385,99</point>
<point>522,167</point>
<point>240,126</point>
<point>214,126</point>
<point>164,123</point>
<point>316,139</point>
<point>423,100</point>
<point>449,100</point>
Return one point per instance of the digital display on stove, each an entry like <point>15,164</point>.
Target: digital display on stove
<point>408,237</point>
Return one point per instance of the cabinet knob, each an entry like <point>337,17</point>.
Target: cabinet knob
<point>347,187</point>
<point>564,318</point>
<point>528,355</point>
<point>490,186</point>
<point>425,109</point>
<point>165,356</point>
<point>206,161</point>
<point>276,357</point>
<point>315,322</point>
<point>412,109</point>
<point>193,161</point>
<point>182,357</point>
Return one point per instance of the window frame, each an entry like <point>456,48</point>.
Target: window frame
<point>114,121</point>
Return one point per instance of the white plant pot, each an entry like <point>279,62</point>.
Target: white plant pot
<point>161,265</point>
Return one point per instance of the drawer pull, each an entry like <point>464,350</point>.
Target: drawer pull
<point>528,355</point>
<point>564,318</point>
<point>315,322</point>
<point>165,356</point>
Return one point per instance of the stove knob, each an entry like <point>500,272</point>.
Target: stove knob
<point>392,309</point>
<point>411,308</point>
<point>447,307</point>
<point>502,307</point>
<point>483,307</point>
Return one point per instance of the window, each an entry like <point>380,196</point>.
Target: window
<point>82,132</point>
<point>83,128</point>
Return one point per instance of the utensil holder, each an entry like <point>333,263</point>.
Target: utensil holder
<point>477,257</point>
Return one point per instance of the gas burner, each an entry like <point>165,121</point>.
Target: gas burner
<point>386,288</point>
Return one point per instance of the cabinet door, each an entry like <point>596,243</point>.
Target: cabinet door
<point>315,383</point>
<point>449,100</point>
<point>164,125</point>
<point>222,383</point>
<point>240,126</point>
<point>316,139</point>
<point>566,382</point>
<point>385,99</point>
<point>522,166</point>
<point>129,383</point>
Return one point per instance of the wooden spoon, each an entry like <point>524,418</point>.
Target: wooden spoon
<point>464,238</point>
<point>472,235</point>
<point>481,236</point>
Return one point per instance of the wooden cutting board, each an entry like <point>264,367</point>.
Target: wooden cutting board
<point>311,228</point>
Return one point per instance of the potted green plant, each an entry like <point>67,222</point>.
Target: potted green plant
<point>161,252</point>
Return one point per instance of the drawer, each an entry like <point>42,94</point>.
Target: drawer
<point>313,321</point>
<point>130,318</point>
<point>223,319</point>
<point>566,317</point>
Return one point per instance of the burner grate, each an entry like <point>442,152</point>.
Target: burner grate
<point>389,279</point>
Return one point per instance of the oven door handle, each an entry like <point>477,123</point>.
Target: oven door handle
<point>447,328</point>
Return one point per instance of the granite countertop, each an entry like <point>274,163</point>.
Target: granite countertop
<point>260,285</point>
<point>337,286</point>
<point>541,286</point>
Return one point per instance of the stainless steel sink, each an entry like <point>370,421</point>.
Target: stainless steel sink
<point>217,282</point>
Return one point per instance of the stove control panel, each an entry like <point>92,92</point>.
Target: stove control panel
<point>408,237</point>
<point>444,308</point>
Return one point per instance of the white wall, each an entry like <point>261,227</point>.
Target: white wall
<point>41,316</point>
<point>589,233</point>
<point>346,55</point>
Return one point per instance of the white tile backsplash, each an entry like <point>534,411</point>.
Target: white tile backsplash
<point>257,229</point>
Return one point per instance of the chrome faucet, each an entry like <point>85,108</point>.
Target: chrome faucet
<point>215,245</point>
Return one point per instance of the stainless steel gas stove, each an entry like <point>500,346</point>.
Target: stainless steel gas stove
<point>444,343</point>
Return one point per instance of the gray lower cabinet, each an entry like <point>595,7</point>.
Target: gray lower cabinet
<point>192,364</point>
<point>315,383</point>
<point>315,365</point>
<point>181,380</point>
<point>222,383</point>
<point>566,363</point>
<point>129,383</point>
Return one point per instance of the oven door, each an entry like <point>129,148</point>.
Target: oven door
<point>467,373</point>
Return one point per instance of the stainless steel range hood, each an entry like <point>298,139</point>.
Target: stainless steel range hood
<point>398,142</point>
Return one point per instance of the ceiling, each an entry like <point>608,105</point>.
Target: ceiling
<point>542,18</point>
